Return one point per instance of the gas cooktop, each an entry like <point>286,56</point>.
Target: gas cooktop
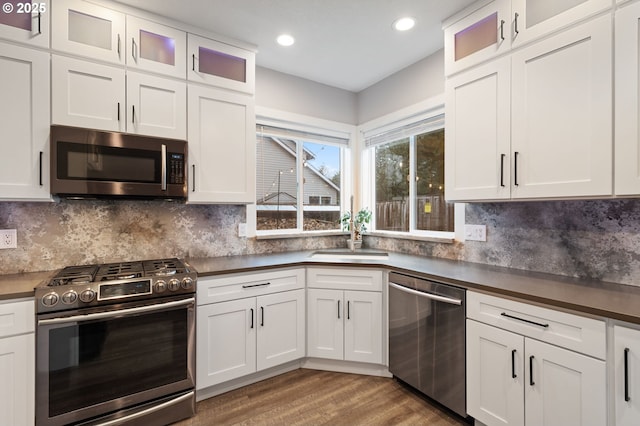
<point>75,287</point>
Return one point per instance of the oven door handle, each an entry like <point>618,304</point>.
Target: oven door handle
<point>153,409</point>
<point>426,295</point>
<point>118,313</point>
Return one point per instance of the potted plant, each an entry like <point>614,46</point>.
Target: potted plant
<point>360,221</point>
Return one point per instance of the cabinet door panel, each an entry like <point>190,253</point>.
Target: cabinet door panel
<point>17,387</point>
<point>221,146</point>
<point>226,335</point>
<point>494,395</point>
<point>565,388</point>
<point>477,143</point>
<point>627,98</point>
<point>87,94</point>
<point>31,28</point>
<point>281,328</point>
<point>627,376</point>
<point>86,29</point>
<point>363,326</point>
<point>561,114</point>
<point>24,120</point>
<point>325,334</point>
<point>156,106</point>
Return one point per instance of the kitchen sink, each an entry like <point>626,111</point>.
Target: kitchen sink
<point>349,255</point>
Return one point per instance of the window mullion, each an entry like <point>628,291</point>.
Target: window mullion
<point>300,185</point>
<point>412,183</point>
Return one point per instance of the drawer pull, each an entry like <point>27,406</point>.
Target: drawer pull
<point>513,364</point>
<point>531,382</point>
<point>338,309</point>
<point>251,318</point>
<point>627,398</point>
<point>261,316</point>
<point>255,285</point>
<point>504,314</point>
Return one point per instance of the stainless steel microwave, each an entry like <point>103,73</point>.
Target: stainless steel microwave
<point>89,163</point>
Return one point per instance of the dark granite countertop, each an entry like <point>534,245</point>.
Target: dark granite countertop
<point>617,301</point>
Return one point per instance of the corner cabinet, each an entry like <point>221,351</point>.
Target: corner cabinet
<point>17,362</point>
<point>248,323</point>
<point>344,319</point>
<point>528,365</point>
<point>24,120</point>
<point>536,123</point>
<point>626,365</point>
<point>222,134</point>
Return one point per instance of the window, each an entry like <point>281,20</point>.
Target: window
<point>299,184</point>
<point>408,179</point>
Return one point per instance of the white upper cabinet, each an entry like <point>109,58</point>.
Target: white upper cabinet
<point>532,19</point>
<point>478,133</point>
<point>479,36</point>
<point>220,64</point>
<point>85,29</point>
<point>561,124</point>
<point>222,134</point>
<point>156,48</point>
<point>156,106</point>
<point>86,94</point>
<point>24,120</point>
<point>501,25</point>
<point>627,108</point>
<point>26,23</point>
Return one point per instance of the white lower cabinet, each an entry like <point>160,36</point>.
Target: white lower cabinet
<point>626,381</point>
<point>515,379</point>
<point>17,363</point>
<point>345,317</point>
<point>248,334</point>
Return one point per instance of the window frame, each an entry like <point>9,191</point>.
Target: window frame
<point>311,125</point>
<point>427,110</point>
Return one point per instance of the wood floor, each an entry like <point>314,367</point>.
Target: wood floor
<point>310,397</point>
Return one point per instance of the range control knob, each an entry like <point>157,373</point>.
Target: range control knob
<point>50,299</point>
<point>87,296</point>
<point>160,286</point>
<point>69,297</point>
<point>187,283</point>
<point>174,284</point>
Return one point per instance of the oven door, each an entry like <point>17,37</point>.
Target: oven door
<point>92,362</point>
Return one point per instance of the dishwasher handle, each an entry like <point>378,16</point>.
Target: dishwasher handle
<point>426,294</point>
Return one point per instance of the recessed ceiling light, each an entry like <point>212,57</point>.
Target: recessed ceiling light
<point>285,40</point>
<point>404,24</point>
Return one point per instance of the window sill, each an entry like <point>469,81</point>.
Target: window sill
<point>298,234</point>
<point>407,236</point>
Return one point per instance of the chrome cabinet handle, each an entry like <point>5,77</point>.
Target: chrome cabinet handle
<point>427,295</point>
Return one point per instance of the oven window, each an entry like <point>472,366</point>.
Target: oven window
<point>94,362</point>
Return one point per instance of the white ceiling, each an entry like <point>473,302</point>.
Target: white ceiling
<point>347,44</point>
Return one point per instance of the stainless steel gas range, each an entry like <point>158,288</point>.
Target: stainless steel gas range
<point>116,344</point>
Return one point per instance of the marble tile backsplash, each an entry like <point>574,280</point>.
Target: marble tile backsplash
<point>592,239</point>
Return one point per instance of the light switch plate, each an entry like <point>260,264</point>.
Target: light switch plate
<point>475,232</point>
<point>242,230</point>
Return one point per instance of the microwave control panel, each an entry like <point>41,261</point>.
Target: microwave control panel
<point>176,168</point>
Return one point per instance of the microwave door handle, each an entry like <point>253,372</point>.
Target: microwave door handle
<point>164,167</point>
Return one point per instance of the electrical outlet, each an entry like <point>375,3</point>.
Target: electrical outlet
<point>8,239</point>
<point>242,230</point>
<point>475,232</point>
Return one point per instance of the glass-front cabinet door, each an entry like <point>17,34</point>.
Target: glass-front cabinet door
<point>479,36</point>
<point>25,22</point>
<point>220,64</point>
<point>155,47</point>
<point>532,19</point>
<point>89,30</point>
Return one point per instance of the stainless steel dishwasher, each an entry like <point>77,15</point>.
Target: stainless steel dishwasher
<point>427,338</point>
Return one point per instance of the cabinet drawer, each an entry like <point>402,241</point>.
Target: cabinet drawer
<point>17,318</point>
<point>237,286</point>
<point>580,334</point>
<point>345,279</point>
